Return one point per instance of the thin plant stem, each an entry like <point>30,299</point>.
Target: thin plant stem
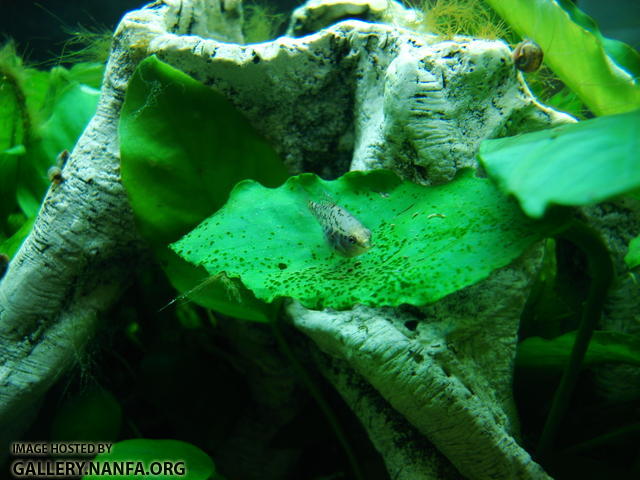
<point>601,273</point>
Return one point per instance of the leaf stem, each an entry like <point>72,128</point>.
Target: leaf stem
<point>601,273</point>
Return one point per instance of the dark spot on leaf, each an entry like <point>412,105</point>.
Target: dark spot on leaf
<point>282,266</point>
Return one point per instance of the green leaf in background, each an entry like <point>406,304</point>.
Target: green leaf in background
<point>604,73</point>
<point>10,246</point>
<point>577,164</point>
<point>11,117</point>
<point>567,101</point>
<point>91,416</point>
<point>632,258</point>
<point>36,85</point>
<point>223,295</point>
<point>87,73</point>
<point>427,241</point>
<point>69,117</point>
<point>41,114</point>
<point>14,113</point>
<point>197,464</point>
<point>605,347</point>
<point>183,148</point>
<point>9,164</point>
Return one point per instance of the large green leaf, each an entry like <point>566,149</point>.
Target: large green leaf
<point>605,347</point>
<point>427,241</point>
<point>573,165</point>
<point>183,148</point>
<point>188,461</point>
<point>602,72</point>
<point>221,294</point>
<point>71,113</point>
<point>69,116</point>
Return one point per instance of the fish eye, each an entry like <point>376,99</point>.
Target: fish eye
<point>352,240</point>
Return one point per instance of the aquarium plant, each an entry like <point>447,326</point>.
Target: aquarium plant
<point>375,196</point>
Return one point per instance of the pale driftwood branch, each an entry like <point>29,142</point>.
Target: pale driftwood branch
<point>84,245</point>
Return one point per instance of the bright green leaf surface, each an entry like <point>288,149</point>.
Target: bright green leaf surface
<point>183,148</point>
<point>87,73</point>
<point>227,296</point>
<point>633,255</point>
<point>577,164</point>
<point>36,89</point>
<point>605,347</point>
<point>428,241</point>
<point>197,464</point>
<point>576,51</point>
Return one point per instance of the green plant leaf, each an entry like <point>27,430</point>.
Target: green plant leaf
<point>632,258</point>
<point>9,164</point>
<point>428,241</point>
<point>36,91</point>
<point>197,464</point>
<point>577,164</point>
<point>69,117</point>
<point>11,116</point>
<point>93,415</point>
<point>605,347</point>
<point>11,245</point>
<point>183,147</point>
<point>224,295</point>
<point>602,72</point>
<point>87,73</point>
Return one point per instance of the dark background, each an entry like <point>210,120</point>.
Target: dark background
<point>39,26</point>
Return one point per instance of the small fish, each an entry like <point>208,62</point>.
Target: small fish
<point>343,231</point>
<point>527,56</point>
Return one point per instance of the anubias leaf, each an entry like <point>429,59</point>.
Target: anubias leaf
<point>605,347</point>
<point>186,461</point>
<point>427,241</point>
<point>603,72</point>
<point>183,148</point>
<point>577,164</point>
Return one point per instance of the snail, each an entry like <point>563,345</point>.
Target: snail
<point>527,56</point>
